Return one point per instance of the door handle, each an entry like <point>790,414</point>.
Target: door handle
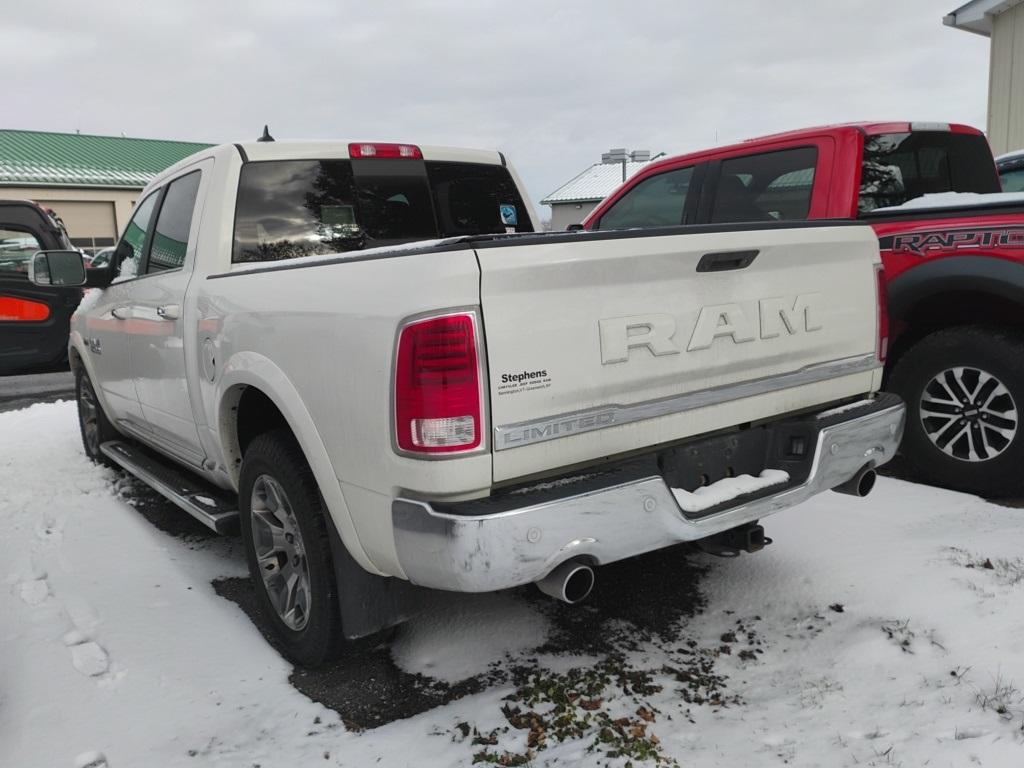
<point>169,312</point>
<point>726,260</point>
<point>120,313</point>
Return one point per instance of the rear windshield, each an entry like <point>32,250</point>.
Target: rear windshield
<point>898,167</point>
<point>291,208</point>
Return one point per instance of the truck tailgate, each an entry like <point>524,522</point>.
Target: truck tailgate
<point>604,343</point>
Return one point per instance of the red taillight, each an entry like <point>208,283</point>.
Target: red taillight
<point>373,149</point>
<point>883,313</point>
<point>22,310</point>
<point>437,386</point>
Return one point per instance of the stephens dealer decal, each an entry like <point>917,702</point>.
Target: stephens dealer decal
<point>923,243</point>
<point>523,381</point>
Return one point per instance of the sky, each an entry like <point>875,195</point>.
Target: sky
<point>552,84</point>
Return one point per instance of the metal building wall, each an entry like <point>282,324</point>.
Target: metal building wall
<point>1006,81</point>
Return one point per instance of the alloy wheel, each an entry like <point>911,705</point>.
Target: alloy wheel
<point>280,552</point>
<point>968,414</point>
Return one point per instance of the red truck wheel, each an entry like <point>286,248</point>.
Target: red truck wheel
<point>964,389</point>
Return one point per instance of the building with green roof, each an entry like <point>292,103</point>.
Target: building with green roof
<point>91,182</point>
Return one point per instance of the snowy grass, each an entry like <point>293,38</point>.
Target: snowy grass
<point>882,631</point>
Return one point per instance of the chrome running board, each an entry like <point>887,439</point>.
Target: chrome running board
<point>200,500</point>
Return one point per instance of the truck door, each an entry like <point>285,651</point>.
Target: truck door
<point>157,337</point>
<point>108,321</point>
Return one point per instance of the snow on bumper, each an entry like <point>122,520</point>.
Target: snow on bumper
<point>481,552</point>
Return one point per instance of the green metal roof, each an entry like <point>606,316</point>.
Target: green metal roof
<point>71,159</point>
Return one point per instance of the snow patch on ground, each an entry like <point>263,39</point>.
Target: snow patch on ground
<point>456,644</point>
<point>727,489</point>
<point>878,631</point>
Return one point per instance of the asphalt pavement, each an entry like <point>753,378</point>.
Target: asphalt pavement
<point>22,391</point>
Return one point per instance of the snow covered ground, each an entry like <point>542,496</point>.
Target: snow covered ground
<point>885,631</point>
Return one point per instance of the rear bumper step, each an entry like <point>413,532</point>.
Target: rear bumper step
<point>445,548</point>
<point>201,501</point>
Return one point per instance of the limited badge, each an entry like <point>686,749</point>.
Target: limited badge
<point>509,216</point>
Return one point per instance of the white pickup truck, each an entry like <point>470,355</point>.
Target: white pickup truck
<point>363,354</point>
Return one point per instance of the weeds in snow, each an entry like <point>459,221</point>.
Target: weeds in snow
<point>900,633</point>
<point>1002,698</point>
<point>1007,572</point>
<point>903,636</point>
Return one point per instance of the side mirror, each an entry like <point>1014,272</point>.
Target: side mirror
<point>57,268</point>
<point>574,228</point>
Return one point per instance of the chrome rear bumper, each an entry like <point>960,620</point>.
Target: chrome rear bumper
<point>486,552</point>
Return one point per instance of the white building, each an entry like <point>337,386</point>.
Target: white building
<point>572,201</point>
<point>1003,22</point>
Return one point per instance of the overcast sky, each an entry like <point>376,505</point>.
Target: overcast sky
<point>553,84</point>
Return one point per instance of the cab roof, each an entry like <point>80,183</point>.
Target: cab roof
<point>317,149</point>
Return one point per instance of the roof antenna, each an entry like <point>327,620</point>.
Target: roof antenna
<point>266,135</point>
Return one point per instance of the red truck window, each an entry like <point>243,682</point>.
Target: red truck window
<point>898,167</point>
<point>771,186</point>
<point>654,202</point>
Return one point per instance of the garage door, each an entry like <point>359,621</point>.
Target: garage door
<point>90,225</point>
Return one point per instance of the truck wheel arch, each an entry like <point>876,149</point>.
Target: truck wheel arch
<point>260,377</point>
<point>958,290</point>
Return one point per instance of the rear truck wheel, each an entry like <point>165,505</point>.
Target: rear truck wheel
<point>288,550</point>
<point>92,422</point>
<point>964,390</point>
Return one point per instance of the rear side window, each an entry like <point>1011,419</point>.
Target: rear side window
<point>291,208</point>
<point>772,186</point>
<point>898,167</point>
<point>654,202</point>
<point>476,199</point>
<point>170,237</point>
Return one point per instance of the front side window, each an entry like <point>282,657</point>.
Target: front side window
<point>170,236</point>
<point>657,201</point>
<point>135,236</point>
<point>16,248</point>
<point>898,167</point>
<point>771,186</point>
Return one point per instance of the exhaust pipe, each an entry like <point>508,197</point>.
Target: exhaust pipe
<point>860,484</point>
<point>570,582</point>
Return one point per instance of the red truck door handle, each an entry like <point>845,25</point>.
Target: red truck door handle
<point>726,260</point>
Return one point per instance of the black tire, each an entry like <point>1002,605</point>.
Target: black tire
<point>996,442</point>
<point>277,456</point>
<point>93,424</point>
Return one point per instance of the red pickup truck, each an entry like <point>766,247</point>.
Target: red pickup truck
<point>954,266</point>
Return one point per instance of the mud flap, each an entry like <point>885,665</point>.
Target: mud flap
<point>370,603</point>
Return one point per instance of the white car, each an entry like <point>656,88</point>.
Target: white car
<point>364,353</point>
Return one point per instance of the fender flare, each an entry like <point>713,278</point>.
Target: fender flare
<point>956,274</point>
<point>251,369</point>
